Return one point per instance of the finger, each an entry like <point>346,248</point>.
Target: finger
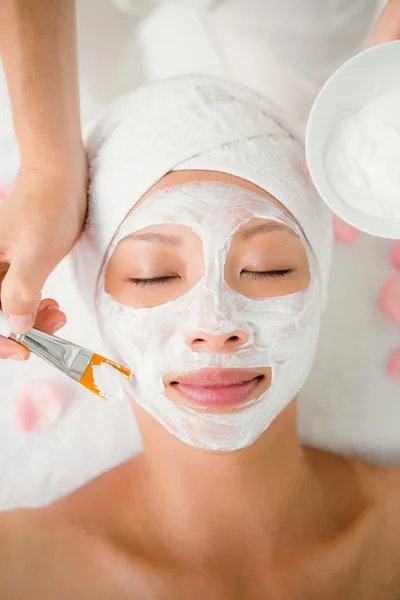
<point>50,320</point>
<point>56,327</point>
<point>12,350</point>
<point>48,303</point>
<point>388,26</point>
<point>21,288</point>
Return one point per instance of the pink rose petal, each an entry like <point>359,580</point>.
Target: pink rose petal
<point>40,405</point>
<point>389,299</point>
<point>343,232</point>
<point>25,413</point>
<point>395,256</point>
<point>393,366</point>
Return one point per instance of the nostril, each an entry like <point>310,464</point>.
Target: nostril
<point>218,342</point>
<point>236,339</point>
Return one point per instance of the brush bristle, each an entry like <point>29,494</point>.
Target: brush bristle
<point>87,379</point>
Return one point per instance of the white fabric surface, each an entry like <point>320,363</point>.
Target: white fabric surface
<point>349,404</point>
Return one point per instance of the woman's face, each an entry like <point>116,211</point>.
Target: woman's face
<point>154,270</point>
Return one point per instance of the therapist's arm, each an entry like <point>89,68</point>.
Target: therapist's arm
<point>43,215</point>
<point>387,27</point>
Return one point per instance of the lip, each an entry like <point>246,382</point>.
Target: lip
<point>217,387</point>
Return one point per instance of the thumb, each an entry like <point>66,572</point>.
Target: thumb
<point>21,289</point>
<point>387,27</point>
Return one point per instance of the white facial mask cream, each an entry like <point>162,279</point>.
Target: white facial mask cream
<point>282,331</point>
<point>363,158</point>
<point>111,383</point>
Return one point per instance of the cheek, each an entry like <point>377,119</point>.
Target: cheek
<point>138,335</point>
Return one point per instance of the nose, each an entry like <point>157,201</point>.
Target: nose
<point>223,344</point>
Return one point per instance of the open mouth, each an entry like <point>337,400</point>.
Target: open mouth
<point>218,387</point>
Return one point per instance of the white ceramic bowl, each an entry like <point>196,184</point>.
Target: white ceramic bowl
<point>371,73</point>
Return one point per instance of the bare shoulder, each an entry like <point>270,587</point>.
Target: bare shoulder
<point>382,487</point>
<point>13,524</point>
<point>364,501</point>
<point>382,483</point>
<point>387,482</point>
<point>18,539</point>
<point>68,549</point>
<point>43,556</point>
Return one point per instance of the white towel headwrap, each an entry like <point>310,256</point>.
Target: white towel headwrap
<point>192,122</point>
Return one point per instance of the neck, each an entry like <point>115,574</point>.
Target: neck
<point>169,460</point>
<point>191,488</point>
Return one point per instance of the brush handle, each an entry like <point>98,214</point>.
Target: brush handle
<point>65,356</point>
<point>5,331</point>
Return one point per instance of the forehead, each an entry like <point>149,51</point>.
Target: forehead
<point>207,203</point>
<point>174,178</point>
<point>212,209</point>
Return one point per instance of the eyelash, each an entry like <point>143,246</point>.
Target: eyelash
<point>168,278</point>
<point>152,281</point>
<point>268,274</point>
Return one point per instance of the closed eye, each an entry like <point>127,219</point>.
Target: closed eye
<point>267,274</point>
<point>143,282</point>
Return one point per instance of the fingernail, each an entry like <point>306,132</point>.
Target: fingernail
<point>20,323</point>
<point>53,308</point>
<point>16,357</point>
<point>58,326</point>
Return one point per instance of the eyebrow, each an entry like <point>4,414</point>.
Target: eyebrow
<point>158,238</point>
<point>264,228</point>
<point>174,240</point>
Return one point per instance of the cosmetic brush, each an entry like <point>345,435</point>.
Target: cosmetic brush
<point>100,375</point>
